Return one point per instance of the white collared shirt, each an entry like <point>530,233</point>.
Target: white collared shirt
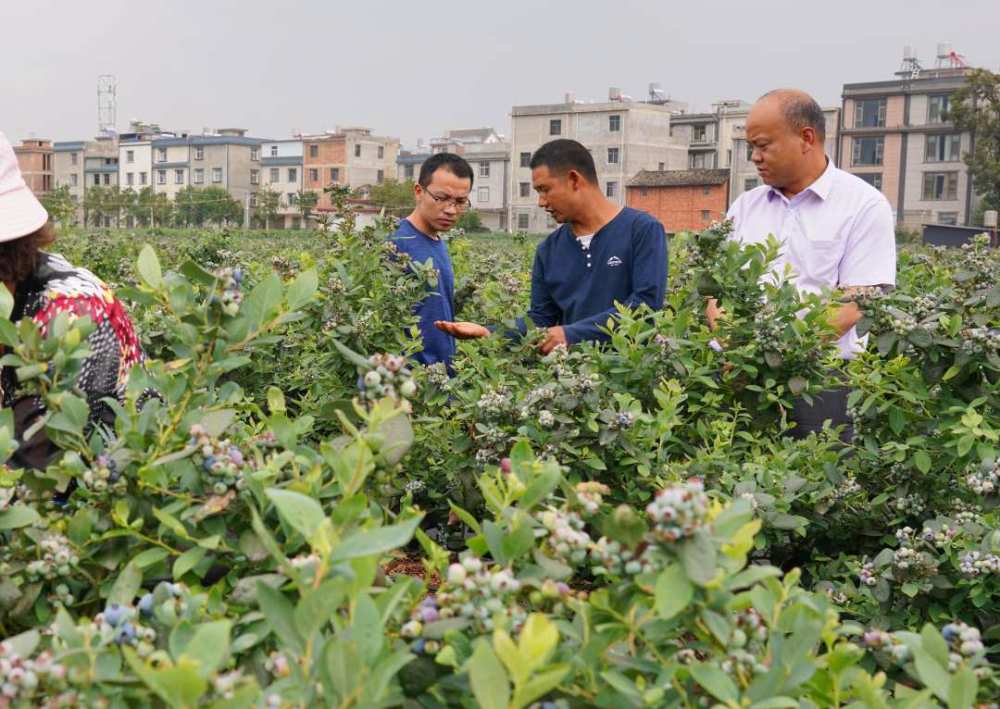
<point>836,233</point>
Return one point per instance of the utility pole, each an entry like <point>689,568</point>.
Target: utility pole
<point>246,212</point>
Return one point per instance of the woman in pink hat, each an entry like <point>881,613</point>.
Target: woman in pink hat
<point>45,285</point>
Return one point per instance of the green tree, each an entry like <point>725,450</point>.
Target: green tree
<point>268,204</point>
<point>975,107</point>
<point>306,202</point>
<point>471,221</point>
<point>98,203</point>
<point>59,204</point>
<point>213,205</point>
<point>393,196</point>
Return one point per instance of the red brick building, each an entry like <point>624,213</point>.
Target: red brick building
<point>34,157</point>
<point>683,200</point>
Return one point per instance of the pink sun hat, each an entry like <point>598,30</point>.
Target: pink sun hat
<point>20,211</point>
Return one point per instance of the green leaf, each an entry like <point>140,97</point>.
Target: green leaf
<point>540,684</point>
<point>673,592</point>
<point>302,289</point>
<point>699,556</point>
<point>375,541</point>
<point>962,689</point>
<point>209,646</point>
<point>922,461</point>
<point>797,385</point>
<point>934,643</point>
<point>280,616</point>
<point>303,513</point>
<point>540,487</point>
<point>6,302</point>
<point>18,516</point>
<point>126,585</point>
<point>933,675</point>
<point>187,561</point>
<point>488,678</point>
<point>715,682</point>
<point>148,267</point>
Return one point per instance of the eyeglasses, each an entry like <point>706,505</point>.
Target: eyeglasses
<point>460,203</point>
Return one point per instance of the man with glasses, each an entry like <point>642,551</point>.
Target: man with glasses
<point>442,194</point>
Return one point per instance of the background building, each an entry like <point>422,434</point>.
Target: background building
<point>281,172</point>
<point>34,157</point>
<point>351,157</point>
<point>683,200</point>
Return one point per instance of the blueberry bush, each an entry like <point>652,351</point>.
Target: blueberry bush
<point>622,524</point>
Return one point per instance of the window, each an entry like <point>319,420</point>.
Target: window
<point>254,154</point>
<point>178,177</point>
<point>705,189</point>
<point>555,126</point>
<point>216,175</point>
<point>705,215</point>
<point>611,190</point>
<point>97,179</point>
<point>199,153</point>
<point>700,161</point>
<point>74,179</point>
<point>274,151</point>
<point>483,194</point>
<point>614,123</point>
<point>729,157</point>
<point>872,178</point>
<point>313,174</point>
<point>662,166</point>
<point>525,159</point>
<point>107,178</point>
<point>275,174</point>
<point>484,169</point>
<point>253,199</point>
<point>293,199</point>
<point>142,178</point>
<point>522,221</point>
<point>255,177</point>
<point>335,174</point>
<point>612,156</point>
<point>940,185</point>
<point>750,183</point>
<point>199,175</point>
<point>643,191</point>
<point>380,177</point>
<point>162,152</point>
<point>74,158</point>
<point>937,109</point>
<point>161,177</point>
<point>293,174</point>
<point>869,113</point>
<point>749,151</point>
<point>314,151</point>
<point>525,189</point>
<point>408,172</point>
<point>948,218</point>
<point>381,152</point>
<point>698,134</point>
<point>943,148</point>
<point>868,151</point>
<point>357,150</point>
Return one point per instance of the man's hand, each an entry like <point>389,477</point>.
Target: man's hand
<point>554,337</point>
<point>462,330</point>
<point>713,313</point>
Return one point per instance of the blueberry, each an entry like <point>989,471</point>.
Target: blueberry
<point>418,646</point>
<point>125,634</point>
<point>146,604</point>
<point>114,614</point>
<point>950,632</point>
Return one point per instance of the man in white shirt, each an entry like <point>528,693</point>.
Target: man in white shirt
<point>837,231</point>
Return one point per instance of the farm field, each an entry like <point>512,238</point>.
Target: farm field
<point>288,514</point>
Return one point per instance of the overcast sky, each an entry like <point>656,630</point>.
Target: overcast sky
<point>415,69</point>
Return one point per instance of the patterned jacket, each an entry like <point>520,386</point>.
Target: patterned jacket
<point>59,287</point>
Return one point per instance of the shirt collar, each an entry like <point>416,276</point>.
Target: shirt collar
<point>820,187</point>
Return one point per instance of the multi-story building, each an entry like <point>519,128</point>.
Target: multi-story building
<point>624,137</point>
<point>227,159</point>
<point>281,172</point>
<point>683,200</point>
<point>896,136</point>
<point>351,157</point>
<point>67,170</point>
<point>34,156</point>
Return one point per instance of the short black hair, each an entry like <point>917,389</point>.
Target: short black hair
<point>455,164</point>
<point>563,155</point>
<point>801,111</point>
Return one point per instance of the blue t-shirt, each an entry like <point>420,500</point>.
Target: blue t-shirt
<point>439,303</point>
<point>577,288</point>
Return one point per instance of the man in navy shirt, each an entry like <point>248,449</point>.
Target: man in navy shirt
<point>442,194</point>
<point>601,255</point>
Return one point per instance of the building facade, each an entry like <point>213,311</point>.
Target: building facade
<point>683,200</point>
<point>227,159</point>
<point>895,135</point>
<point>281,171</point>
<point>35,158</point>
<point>349,157</point>
<point>623,136</point>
